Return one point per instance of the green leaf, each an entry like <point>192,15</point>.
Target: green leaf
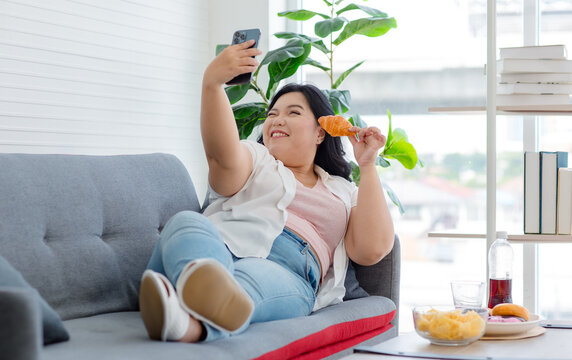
<point>355,174</point>
<point>294,48</point>
<point>278,71</point>
<point>345,74</point>
<point>301,15</point>
<point>340,100</point>
<point>356,120</point>
<point>393,196</point>
<point>327,2</point>
<point>399,134</point>
<point>366,9</point>
<point>372,27</point>
<point>403,152</point>
<point>389,133</point>
<point>220,48</point>
<point>236,92</point>
<point>248,116</point>
<point>381,161</point>
<point>326,27</point>
<point>315,63</point>
<point>317,43</point>
<point>243,111</point>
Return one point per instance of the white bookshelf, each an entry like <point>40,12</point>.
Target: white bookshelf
<point>530,115</point>
<point>527,110</point>
<point>514,238</point>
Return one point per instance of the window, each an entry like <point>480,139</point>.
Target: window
<point>436,57</point>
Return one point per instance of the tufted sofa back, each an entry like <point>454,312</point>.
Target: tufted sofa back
<point>81,228</point>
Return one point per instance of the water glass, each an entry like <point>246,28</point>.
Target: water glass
<point>467,293</point>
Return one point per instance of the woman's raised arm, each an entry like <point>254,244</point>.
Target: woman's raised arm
<point>230,162</point>
<point>370,230</point>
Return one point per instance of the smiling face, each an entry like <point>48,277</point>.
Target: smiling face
<point>291,132</point>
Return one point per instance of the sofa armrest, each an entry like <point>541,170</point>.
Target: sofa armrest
<point>383,278</point>
<point>21,329</point>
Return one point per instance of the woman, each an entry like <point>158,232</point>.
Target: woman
<point>282,221</point>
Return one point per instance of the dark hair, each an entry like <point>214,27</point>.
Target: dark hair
<point>330,153</point>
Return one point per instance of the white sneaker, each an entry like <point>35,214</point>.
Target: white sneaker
<point>208,291</point>
<point>161,312</point>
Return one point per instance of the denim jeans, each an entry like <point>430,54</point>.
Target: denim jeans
<point>282,286</point>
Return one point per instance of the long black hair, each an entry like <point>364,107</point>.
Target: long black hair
<point>330,153</point>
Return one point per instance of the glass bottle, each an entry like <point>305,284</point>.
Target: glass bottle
<point>500,270</point>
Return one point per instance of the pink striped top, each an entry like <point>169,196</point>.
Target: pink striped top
<point>320,218</point>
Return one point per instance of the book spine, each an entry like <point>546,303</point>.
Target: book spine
<point>550,162</point>
<point>534,52</point>
<point>534,66</point>
<point>531,192</point>
<point>564,214</point>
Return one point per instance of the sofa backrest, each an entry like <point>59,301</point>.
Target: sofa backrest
<point>81,229</point>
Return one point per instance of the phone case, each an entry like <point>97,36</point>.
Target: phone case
<point>238,37</point>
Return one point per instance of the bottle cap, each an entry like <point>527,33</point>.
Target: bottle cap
<point>502,235</point>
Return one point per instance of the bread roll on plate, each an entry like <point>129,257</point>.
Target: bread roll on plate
<point>510,310</point>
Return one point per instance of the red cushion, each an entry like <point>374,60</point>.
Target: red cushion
<point>333,339</point>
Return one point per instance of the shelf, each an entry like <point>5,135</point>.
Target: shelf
<point>561,110</point>
<point>514,238</point>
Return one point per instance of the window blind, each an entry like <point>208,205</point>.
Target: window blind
<point>103,77</point>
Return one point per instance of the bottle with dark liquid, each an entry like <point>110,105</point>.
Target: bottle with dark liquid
<point>500,270</point>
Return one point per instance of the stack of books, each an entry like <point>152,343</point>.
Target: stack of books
<point>534,75</point>
<point>547,193</point>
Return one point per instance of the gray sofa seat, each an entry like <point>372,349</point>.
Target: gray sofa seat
<point>81,229</point>
<point>122,336</point>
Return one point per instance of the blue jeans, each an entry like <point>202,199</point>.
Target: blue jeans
<point>282,286</point>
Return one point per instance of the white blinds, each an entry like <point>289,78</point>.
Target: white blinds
<point>103,77</point>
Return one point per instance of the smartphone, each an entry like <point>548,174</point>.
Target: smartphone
<point>238,37</point>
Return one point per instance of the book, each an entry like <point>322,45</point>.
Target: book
<point>534,52</point>
<point>532,99</point>
<point>564,213</point>
<point>550,162</point>
<point>532,192</point>
<point>524,88</point>
<point>534,66</point>
<point>547,78</point>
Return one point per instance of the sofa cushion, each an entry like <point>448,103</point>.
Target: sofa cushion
<point>353,289</point>
<point>53,328</point>
<point>90,223</point>
<point>122,336</point>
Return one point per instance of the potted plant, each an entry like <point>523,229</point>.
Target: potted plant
<point>283,62</point>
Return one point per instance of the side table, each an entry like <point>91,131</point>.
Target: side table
<point>553,344</point>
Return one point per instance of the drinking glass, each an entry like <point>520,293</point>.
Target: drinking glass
<point>467,293</point>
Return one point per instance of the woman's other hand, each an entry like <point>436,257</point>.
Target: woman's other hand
<point>231,62</point>
<point>367,144</point>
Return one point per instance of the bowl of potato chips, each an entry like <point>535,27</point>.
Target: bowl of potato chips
<point>445,325</point>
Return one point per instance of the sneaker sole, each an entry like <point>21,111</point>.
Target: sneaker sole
<point>151,308</point>
<point>212,294</point>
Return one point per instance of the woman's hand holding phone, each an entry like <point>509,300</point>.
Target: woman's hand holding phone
<point>232,62</point>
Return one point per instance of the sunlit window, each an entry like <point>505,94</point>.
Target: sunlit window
<point>435,57</point>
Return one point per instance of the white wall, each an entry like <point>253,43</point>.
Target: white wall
<point>115,77</point>
<point>103,77</point>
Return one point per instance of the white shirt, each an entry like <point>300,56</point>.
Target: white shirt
<point>251,219</point>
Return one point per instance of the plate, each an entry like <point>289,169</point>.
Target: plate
<point>512,328</point>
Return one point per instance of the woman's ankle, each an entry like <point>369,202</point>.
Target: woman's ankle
<point>195,332</point>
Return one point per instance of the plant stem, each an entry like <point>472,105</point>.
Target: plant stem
<point>331,57</point>
<point>254,84</point>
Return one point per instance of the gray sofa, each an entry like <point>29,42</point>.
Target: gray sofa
<point>80,230</point>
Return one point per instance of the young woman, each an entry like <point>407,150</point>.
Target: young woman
<point>283,217</point>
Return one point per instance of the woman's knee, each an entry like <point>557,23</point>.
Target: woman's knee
<point>191,220</point>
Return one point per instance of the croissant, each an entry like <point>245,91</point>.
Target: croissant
<point>336,125</point>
